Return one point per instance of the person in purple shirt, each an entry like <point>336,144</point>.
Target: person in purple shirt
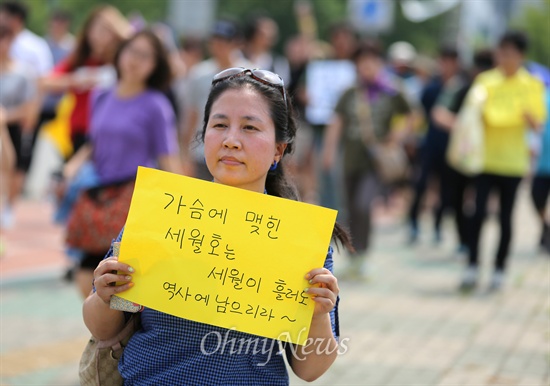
<point>131,125</point>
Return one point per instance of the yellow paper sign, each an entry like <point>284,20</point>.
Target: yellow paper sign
<point>224,256</point>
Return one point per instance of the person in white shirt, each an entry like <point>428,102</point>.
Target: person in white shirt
<point>27,48</point>
<point>32,56</point>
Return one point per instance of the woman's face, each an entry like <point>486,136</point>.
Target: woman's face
<point>137,60</point>
<point>100,36</point>
<point>239,142</point>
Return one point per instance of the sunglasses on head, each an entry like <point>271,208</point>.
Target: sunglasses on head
<point>263,76</point>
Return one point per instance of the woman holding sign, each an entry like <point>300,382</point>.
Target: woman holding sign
<point>249,127</point>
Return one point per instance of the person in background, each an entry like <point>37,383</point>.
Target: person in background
<point>249,126</point>
<point>191,49</point>
<point>7,164</point>
<point>343,41</point>
<point>191,52</point>
<point>260,35</point>
<point>61,43</point>
<point>132,124</point>
<point>540,187</point>
<point>31,51</point>
<point>27,48</point>
<point>59,37</point>
<point>166,36</point>
<point>401,58</point>
<point>223,46</point>
<point>376,91</point>
<point>402,62</point>
<point>298,51</point>
<point>177,67</point>
<point>434,145</point>
<point>444,115</point>
<point>89,65</point>
<point>514,103</point>
<point>17,98</point>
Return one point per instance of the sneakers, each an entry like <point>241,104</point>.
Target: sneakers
<point>461,253</point>
<point>413,235</point>
<point>437,237</point>
<point>545,239</point>
<point>471,276</point>
<point>355,269</point>
<point>497,281</point>
<point>469,279</point>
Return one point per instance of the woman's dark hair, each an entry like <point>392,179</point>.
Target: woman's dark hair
<point>283,116</point>
<point>161,76</point>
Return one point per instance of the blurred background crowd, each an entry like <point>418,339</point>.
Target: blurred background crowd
<point>84,84</point>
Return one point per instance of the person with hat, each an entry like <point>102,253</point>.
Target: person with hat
<point>401,58</point>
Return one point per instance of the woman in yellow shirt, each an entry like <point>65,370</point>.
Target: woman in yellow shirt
<point>514,104</point>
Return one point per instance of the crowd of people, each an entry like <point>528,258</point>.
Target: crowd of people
<point>392,105</point>
<point>370,124</point>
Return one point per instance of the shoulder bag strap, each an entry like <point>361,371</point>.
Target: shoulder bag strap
<point>364,116</point>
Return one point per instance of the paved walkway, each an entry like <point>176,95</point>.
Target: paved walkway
<point>406,325</point>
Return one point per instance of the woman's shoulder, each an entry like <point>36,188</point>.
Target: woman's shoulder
<point>350,92</point>
<point>157,101</point>
<point>156,96</point>
<point>100,94</point>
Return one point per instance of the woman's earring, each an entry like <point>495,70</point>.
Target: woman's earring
<point>273,166</point>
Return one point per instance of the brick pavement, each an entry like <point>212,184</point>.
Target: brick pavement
<point>406,325</point>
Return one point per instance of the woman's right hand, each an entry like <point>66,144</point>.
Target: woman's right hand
<point>83,81</point>
<point>112,277</point>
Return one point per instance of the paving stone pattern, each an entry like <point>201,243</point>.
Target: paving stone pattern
<point>405,325</point>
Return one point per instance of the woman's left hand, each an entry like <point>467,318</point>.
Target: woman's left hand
<point>323,290</point>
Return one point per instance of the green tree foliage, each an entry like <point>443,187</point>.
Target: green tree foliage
<point>424,35</point>
<point>535,21</point>
<point>151,10</point>
<point>326,12</point>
